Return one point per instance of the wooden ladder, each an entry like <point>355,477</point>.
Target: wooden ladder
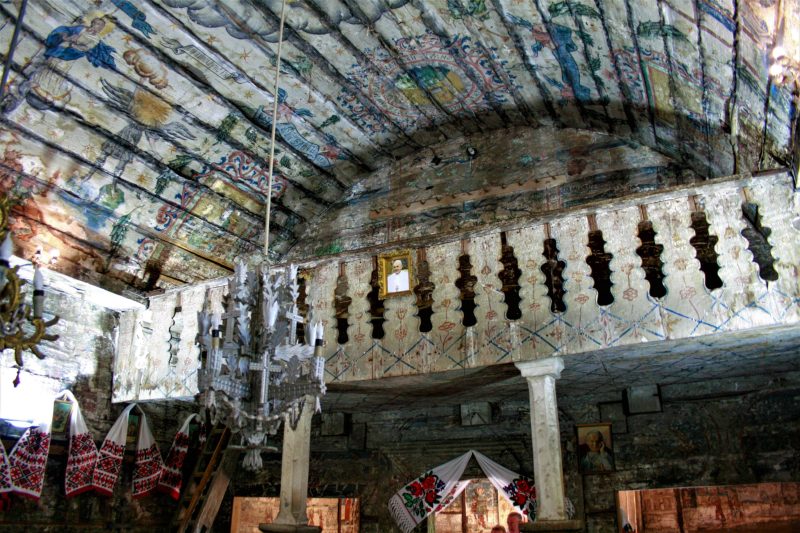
<point>205,490</point>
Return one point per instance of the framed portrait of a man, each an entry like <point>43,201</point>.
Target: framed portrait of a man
<point>595,453</point>
<point>396,273</point>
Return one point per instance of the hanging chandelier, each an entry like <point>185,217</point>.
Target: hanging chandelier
<point>254,371</point>
<point>22,325</point>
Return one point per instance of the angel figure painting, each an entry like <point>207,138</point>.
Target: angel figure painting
<point>45,82</point>
<point>149,117</point>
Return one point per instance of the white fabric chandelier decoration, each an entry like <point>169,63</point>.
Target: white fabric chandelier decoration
<point>437,488</point>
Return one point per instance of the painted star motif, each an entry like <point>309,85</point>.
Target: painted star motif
<point>212,39</point>
<point>244,55</point>
<point>127,39</point>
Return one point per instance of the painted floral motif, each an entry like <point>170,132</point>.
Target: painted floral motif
<point>522,493</point>
<point>424,494</point>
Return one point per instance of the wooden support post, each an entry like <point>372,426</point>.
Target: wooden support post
<point>292,516</point>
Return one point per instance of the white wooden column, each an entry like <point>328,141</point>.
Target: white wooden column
<point>547,469</point>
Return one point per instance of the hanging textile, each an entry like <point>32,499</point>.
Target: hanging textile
<point>519,490</point>
<point>27,461</point>
<point>82,454</point>
<point>5,479</point>
<point>109,460</point>
<point>424,495</point>
<point>148,459</point>
<point>411,504</point>
<point>171,475</point>
<point>148,462</point>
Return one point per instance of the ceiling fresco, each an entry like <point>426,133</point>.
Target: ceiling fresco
<point>135,134</point>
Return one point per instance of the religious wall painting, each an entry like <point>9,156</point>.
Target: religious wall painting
<point>243,178</point>
<point>430,71</point>
<point>469,9</point>
<point>396,273</point>
<point>204,61</point>
<point>758,19</point>
<point>476,510</point>
<point>718,12</point>
<point>595,449</point>
<point>138,19</point>
<point>33,197</point>
<point>340,515</point>
<point>482,510</point>
<point>149,114</point>
<point>559,39</point>
<point>660,82</point>
<point>43,82</point>
<point>321,155</point>
<point>243,21</point>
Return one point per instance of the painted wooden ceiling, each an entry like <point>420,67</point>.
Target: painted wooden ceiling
<point>136,133</point>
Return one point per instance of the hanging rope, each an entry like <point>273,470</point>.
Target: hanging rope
<point>274,124</point>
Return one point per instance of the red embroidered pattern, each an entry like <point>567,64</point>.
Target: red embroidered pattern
<point>422,495</point>
<point>171,476</point>
<point>80,464</point>
<point>147,472</point>
<point>522,493</point>
<point>27,461</point>
<point>5,472</point>
<point>108,466</point>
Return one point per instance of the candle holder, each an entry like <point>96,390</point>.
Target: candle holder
<point>22,326</point>
<point>254,371</point>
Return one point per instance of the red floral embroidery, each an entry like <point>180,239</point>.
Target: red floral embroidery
<point>522,493</point>
<point>423,494</point>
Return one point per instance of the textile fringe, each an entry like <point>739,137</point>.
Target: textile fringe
<point>400,514</point>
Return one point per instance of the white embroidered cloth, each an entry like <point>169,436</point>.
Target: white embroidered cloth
<point>148,459</point>
<point>82,455</point>
<point>171,474</point>
<point>436,489</point>
<point>28,460</point>
<point>426,494</point>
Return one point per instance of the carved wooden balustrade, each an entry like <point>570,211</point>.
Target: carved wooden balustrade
<point>709,259</point>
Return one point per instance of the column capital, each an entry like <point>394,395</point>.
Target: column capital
<point>552,366</point>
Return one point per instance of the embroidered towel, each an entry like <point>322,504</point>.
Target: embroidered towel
<point>411,504</point>
<point>82,455</point>
<point>517,489</point>
<point>109,460</point>
<point>5,479</point>
<point>171,475</point>
<point>28,459</point>
<point>148,462</point>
